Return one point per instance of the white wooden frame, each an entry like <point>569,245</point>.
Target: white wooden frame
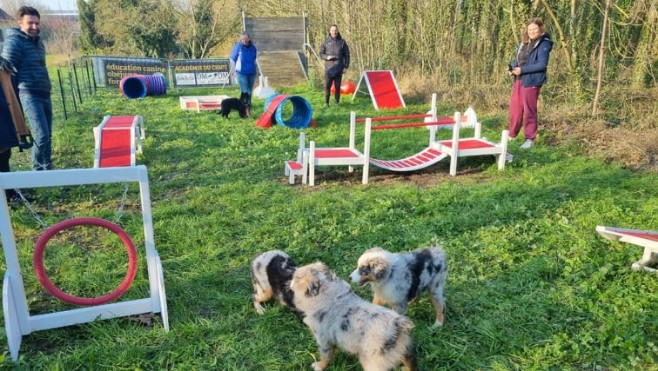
<point>196,102</point>
<point>18,320</point>
<point>483,146</point>
<point>299,166</point>
<point>354,158</point>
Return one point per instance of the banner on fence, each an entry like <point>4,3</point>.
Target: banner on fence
<point>199,72</point>
<point>181,72</point>
<point>110,70</point>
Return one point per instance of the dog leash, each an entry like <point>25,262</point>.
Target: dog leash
<point>23,134</point>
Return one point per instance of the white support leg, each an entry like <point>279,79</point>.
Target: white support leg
<point>311,164</point>
<point>502,157</point>
<point>455,144</point>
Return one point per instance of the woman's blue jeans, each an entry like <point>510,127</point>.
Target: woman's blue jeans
<point>246,83</point>
<point>39,112</point>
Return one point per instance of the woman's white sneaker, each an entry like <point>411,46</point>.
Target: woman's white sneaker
<point>528,143</point>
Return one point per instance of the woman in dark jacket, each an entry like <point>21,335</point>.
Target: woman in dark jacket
<point>8,137</point>
<point>336,56</point>
<point>529,71</point>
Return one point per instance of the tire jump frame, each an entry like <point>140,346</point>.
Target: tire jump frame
<point>18,320</point>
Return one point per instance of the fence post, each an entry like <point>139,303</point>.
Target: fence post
<point>93,75</point>
<point>88,77</point>
<point>75,105</point>
<point>61,90</point>
<point>77,83</point>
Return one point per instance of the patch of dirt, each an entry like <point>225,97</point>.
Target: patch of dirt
<point>635,149</point>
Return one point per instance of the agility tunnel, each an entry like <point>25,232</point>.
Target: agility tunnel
<point>139,86</point>
<point>278,107</point>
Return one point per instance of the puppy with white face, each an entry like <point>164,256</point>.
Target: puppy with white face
<point>397,279</point>
<point>271,273</point>
<point>339,318</point>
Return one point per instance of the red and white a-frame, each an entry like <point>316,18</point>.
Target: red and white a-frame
<point>383,89</point>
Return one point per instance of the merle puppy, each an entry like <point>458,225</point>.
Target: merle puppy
<point>271,273</point>
<point>398,278</point>
<point>241,105</point>
<point>338,318</point>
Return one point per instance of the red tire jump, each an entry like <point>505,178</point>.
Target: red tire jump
<point>50,287</point>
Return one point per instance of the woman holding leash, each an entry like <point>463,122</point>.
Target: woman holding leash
<point>529,71</point>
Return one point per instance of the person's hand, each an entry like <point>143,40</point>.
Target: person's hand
<point>516,71</point>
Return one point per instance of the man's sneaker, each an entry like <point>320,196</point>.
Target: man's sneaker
<point>528,143</point>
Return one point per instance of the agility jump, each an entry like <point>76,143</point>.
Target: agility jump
<point>430,155</point>
<point>19,320</point>
<point>435,152</point>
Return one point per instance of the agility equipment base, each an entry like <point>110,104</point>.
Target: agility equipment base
<point>473,146</point>
<point>117,140</point>
<point>646,239</point>
<point>17,317</point>
<point>382,88</point>
<point>299,166</point>
<point>340,156</point>
<point>202,102</point>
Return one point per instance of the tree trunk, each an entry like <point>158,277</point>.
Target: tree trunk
<point>599,81</point>
<point>646,54</point>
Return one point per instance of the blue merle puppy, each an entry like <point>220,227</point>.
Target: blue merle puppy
<point>271,273</point>
<point>338,318</point>
<point>397,279</point>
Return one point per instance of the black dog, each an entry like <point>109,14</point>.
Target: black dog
<point>241,105</point>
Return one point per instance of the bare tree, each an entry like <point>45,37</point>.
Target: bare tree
<point>599,80</point>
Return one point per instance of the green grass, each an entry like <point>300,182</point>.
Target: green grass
<point>531,284</point>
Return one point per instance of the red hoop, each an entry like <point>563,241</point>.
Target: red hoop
<point>49,286</point>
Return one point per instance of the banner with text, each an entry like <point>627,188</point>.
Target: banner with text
<point>200,72</point>
<point>110,70</point>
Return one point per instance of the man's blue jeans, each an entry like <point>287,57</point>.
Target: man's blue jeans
<point>39,112</point>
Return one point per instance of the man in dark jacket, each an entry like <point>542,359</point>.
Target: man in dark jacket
<point>25,50</point>
<point>336,56</point>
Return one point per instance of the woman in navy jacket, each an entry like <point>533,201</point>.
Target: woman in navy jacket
<point>529,71</point>
<point>8,137</point>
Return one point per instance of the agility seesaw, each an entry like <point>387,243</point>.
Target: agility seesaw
<point>646,239</point>
<point>18,319</point>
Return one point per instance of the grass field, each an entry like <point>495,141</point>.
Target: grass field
<point>531,285</point>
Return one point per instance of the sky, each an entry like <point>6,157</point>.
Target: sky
<point>62,4</point>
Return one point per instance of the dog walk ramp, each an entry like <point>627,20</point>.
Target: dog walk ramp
<point>425,158</point>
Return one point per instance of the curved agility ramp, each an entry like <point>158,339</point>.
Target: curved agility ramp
<point>425,158</point>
